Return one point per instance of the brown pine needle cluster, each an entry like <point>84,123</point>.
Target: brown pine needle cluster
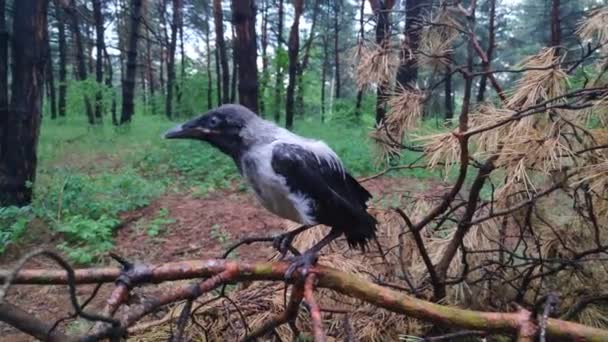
<point>595,26</point>
<point>438,37</point>
<point>376,65</point>
<point>543,81</point>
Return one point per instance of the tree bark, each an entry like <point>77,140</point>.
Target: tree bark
<point>293,48</point>
<point>171,58</point>
<point>489,52</point>
<point>208,59</point>
<point>361,42</point>
<point>221,47</point>
<point>3,65</point>
<point>62,60</point>
<point>244,12</point>
<point>50,81</point>
<point>99,47</point>
<point>150,72</point>
<point>162,8</point>
<point>448,98</point>
<point>218,77</point>
<point>556,31</point>
<point>81,64</point>
<point>337,4</point>
<point>235,67</point>
<point>408,69</point>
<point>21,123</point>
<point>264,42</point>
<point>278,86</point>
<point>381,10</point>
<point>468,78</point>
<point>182,56</point>
<point>128,83</point>
<point>109,85</point>
<point>324,68</point>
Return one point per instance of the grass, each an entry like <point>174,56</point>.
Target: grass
<point>88,176</point>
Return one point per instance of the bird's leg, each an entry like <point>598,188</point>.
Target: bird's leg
<point>282,242</point>
<point>309,258</point>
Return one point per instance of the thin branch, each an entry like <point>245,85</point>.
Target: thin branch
<point>289,315</point>
<point>315,310</point>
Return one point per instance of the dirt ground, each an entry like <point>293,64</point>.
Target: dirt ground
<point>203,228</point>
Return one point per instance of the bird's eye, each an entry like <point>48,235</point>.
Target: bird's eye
<point>214,121</point>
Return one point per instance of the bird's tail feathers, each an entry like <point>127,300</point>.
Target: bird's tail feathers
<point>359,234</point>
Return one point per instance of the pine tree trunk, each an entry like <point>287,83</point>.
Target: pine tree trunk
<point>278,86</point>
<point>142,82</point>
<point>360,45</point>
<point>149,65</point>
<point>235,67</point>
<point>218,77</point>
<point>381,10</point>
<point>19,138</point>
<point>324,74</point>
<point>293,47</point>
<point>171,58</point>
<point>337,4</point>
<point>50,82</point>
<point>99,47</point>
<point>62,60</point>
<point>218,16</point>
<point>109,85</point>
<point>408,69</point>
<point>3,65</point>
<point>90,42</point>
<point>182,55</point>
<point>264,42</point>
<point>556,31</point>
<point>163,51</point>
<point>244,12</point>
<point>81,64</point>
<point>468,79</point>
<point>489,52</point>
<point>208,59</point>
<point>448,98</point>
<point>128,83</point>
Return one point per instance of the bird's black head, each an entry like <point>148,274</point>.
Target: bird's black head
<point>221,127</point>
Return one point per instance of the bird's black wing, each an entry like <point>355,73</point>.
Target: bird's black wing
<point>338,200</point>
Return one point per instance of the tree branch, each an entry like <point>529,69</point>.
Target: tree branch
<point>221,271</point>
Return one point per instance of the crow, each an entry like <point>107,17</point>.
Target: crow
<point>296,178</point>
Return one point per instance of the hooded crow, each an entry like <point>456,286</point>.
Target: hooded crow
<point>296,178</point>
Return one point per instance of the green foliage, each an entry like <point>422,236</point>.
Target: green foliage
<point>85,208</point>
<point>281,58</point>
<point>77,91</point>
<point>162,219</point>
<point>86,238</point>
<point>13,224</point>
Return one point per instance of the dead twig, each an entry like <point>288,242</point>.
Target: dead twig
<point>315,310</point>
<point>288,316</point>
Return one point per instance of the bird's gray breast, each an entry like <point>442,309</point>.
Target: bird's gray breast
<point>271,189</point>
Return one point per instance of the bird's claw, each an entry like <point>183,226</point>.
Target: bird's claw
<point>303,262</point>
<point>281,243</point>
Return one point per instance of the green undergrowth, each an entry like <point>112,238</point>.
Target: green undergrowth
<point>88,176</point>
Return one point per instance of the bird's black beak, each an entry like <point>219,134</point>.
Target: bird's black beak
<point>189,130</point>
<point>181,132</point>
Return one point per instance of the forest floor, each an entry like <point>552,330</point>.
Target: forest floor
<point>201,227</point>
